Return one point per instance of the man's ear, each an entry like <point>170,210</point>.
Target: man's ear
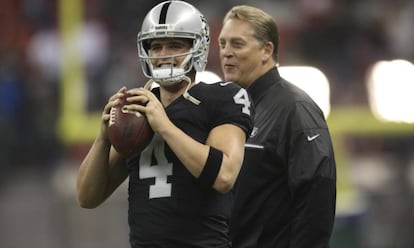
<point>267,51</point>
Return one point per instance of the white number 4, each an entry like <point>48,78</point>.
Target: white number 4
<point>243,98</point>
<point>160,171</point>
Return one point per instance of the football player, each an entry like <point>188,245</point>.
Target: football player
<point>180,184</point>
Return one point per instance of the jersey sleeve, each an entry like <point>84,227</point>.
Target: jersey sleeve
<point>231,104</point>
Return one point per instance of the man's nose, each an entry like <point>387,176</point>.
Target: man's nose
<point>226,51</point>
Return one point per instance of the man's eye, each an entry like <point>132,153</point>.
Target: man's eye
<point>237,44</point>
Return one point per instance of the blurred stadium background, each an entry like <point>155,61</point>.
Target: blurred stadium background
<point>61,59</point>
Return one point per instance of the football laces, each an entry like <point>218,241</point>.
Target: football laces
<point>111,116</point>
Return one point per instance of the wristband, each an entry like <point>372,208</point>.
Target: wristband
<point>211,167</point>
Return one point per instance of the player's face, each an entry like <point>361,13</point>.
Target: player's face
<point>167,48</point>
<point>240,52</point>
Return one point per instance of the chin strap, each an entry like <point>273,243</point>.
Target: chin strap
<point>148,84</point>
<point>186,95</point>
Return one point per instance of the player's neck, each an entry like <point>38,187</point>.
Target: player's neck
<point>170,93</point>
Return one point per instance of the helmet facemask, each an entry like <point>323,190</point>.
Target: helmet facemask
<point>166,76</point>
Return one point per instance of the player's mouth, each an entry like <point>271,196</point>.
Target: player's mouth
<point>165,65</point>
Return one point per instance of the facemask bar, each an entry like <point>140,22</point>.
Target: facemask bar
<point>168,75</point>
<point>172,75</point>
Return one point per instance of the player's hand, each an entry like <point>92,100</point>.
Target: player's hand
<point>112,101</point>
<point>152,108</point>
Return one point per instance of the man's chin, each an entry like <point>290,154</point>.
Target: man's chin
<point>229,77</point>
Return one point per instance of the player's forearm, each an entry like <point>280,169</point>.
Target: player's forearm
<point>194,154</point>
<point>191,153</point>
<point>93,173</point>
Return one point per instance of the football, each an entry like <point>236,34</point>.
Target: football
<point>128,131</point>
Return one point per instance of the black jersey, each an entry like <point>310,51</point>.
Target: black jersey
<point>167,205</point>
<point>286,191</point>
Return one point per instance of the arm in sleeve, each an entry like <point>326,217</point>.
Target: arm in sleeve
<point>312,180</point>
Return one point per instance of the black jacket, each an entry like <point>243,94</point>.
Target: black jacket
<point>286,191</point>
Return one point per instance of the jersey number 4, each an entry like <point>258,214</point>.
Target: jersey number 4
<point>243,98</point>
<point>159,171</point>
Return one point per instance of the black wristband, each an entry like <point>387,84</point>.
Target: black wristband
<point>211,168</point>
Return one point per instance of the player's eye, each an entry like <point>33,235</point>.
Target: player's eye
<point>177,46</point>
<point>155,47</point>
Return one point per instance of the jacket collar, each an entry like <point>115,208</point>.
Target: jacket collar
<point>263,83</point>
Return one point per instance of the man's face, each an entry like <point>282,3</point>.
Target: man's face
<point>241,54</point>
<point>168,47</point>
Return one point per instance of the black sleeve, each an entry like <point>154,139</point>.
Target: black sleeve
<point>229,103</point>
<point>312,177</point>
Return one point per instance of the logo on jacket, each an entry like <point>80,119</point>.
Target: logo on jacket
<point>310,138</point>
<point>254,132</point>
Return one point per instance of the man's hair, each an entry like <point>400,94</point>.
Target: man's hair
<point>264,26</point>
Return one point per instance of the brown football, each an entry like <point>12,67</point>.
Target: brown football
<point>128,131</point>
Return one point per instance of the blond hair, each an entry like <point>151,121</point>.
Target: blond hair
<point>264,26</point>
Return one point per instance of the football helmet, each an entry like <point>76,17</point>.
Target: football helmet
<point>174,19</point>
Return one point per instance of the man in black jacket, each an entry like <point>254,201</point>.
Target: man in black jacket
<point>286,190</point>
